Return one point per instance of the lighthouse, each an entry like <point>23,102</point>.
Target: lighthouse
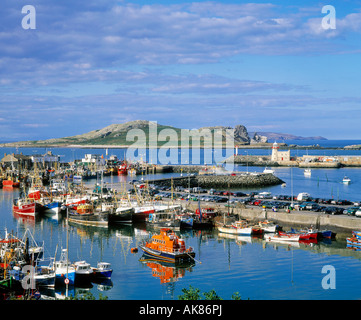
<point>278,156</point>
<point>274,156</point>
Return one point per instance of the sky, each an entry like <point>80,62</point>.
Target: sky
<point>273,66</point>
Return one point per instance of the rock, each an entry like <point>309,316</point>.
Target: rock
<point>241,135</point>
<point>258,139</point>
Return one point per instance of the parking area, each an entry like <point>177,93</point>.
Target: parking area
<point>300,202</point>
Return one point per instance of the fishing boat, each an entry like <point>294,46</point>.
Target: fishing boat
<point>346,180</point>
<point>237,228</point>
<point>308,234</point>
<point>44,277</point>
<point>353,241</point>
<point>163,220</point>
<point>122,214</point>
<point>10,183</point>
<point>123,169</point>
<point>25,207</point>
<point>267,170</point>
<point>41,277</point>
<point>86,215</point>
<point>167,246</point>
<point>327,234</point>
<point>103,270</point>
<point>307,172</point>
<point>142,212</point>
<point>64,269</point>
<point>83,271</point>
<point>52,208</point>
<point>268,227</point>
<point>186,221</point>
<point>283,237</point>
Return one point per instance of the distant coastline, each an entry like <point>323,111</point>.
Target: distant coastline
<point>251,146</point>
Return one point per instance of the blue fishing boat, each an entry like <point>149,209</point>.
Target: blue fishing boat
<point>103,270</point>
<point>186,222</point>
<point>355,240</point>
<point>64,270</point>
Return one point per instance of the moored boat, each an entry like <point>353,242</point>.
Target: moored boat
<point>102,271</point>
<point>26,207</point>
<point>83,271</point>
<point>346,180</point>
<point>327,234</point>
<point>86,215</point>
<point>142,212</point>
<point>268,227</point>
<point>122,214</point>
<point>163,220</point>
<point>283,237</point>
<point>308,234</point>
<point>167,246</point>
<point>237,228</point>
<point>64,270</point>
<point>353,241</point>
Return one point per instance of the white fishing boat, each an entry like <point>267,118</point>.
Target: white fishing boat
<point>267,170</point>
<point>307,172</point>
<point>237,228</point>
<point>283,238</point>
<point>268,227</point>
<point>346,180</point>
<point>83,271</point>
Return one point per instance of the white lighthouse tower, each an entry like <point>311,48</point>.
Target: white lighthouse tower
<point>274,156</point>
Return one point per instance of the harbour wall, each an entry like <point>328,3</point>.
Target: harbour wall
<point>220,181</point>
<point>341,224</point>
<point>302,162</point>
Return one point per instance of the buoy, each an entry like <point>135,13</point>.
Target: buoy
<point>133,250</point>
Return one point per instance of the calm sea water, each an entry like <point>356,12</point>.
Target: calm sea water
<point>254,268</point>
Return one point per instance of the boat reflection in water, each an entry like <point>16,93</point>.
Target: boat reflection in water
<point>167,272</point>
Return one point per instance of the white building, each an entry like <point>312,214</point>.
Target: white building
<point>278,156</point>
<point>94,159</point>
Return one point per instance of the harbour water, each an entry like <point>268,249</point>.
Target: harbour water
<point>257,269</point>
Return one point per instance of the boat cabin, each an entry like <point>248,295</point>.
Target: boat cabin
<point>167,241</point>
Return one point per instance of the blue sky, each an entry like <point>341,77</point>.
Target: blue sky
<point>268,65</point>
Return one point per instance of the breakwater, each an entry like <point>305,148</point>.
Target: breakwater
<point>302,162</point>
<point>220,181</point>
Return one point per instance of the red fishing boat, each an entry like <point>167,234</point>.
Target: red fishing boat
<point>10,183</point>
<point>123,168</point>
<point>304,235</point>
<point>26,207</point>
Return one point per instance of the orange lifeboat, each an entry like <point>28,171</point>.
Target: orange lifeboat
<point>167,246</point>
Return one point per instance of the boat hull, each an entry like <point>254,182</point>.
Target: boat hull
<point>102,274</point>
<point>61,275</point>
<point>142,213</point>
<point>122,216</point>
<point>93,219</point>
<point>28,209</point>
<point>287,238</point>
<point>167,256</point>
<point>237,231</point>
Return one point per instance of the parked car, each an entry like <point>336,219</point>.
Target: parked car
<point>238,194</point>
<point>358,213</point>
<point>333,210</point>
<point>351,211</point>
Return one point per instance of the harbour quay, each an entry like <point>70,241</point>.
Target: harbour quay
<point>279,158</point>
<point>340,224</point>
